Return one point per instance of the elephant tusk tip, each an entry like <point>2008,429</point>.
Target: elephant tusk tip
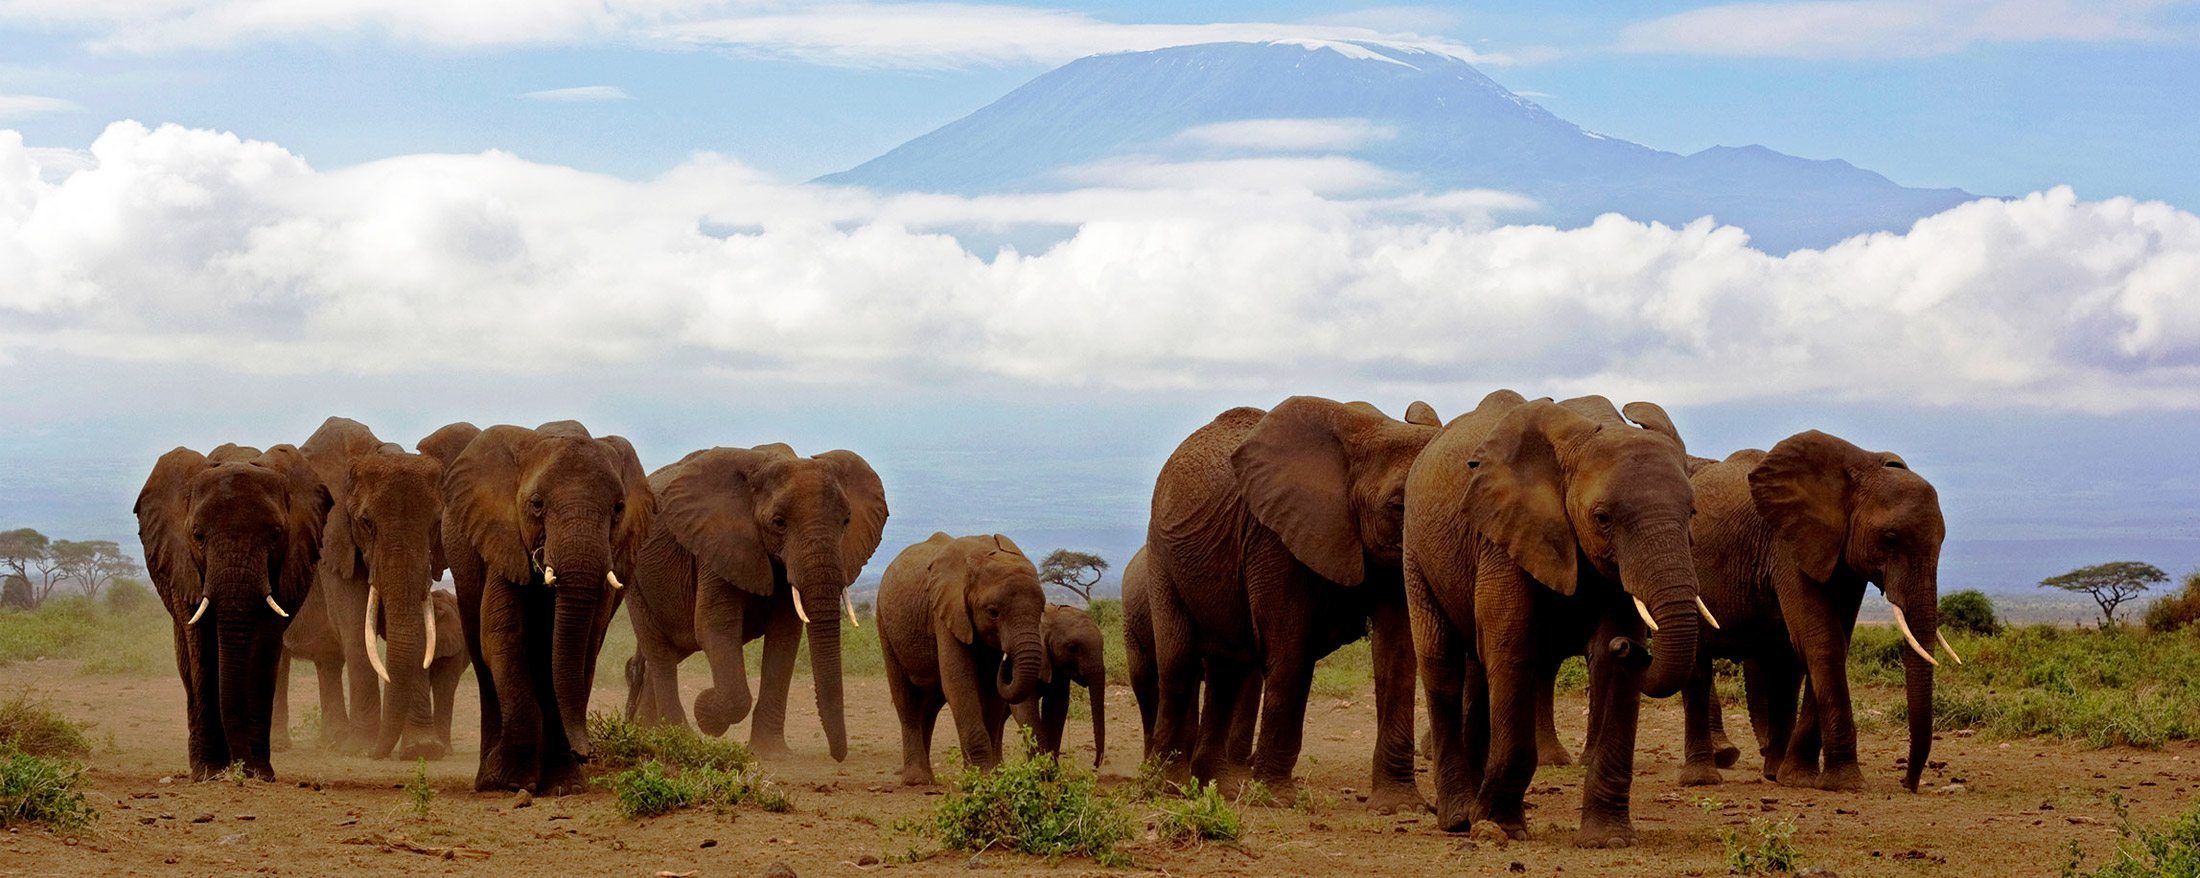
<point>1950,647</point>
<point>278,608</point>
<point>195,614</point>
<point>1706,611</point>
<point>612,577</point>
<point>1643,610</point>
<point>849,605</point>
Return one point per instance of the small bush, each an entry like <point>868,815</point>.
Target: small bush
<point>1150,783</point>
<point>1199,814</point>
<point>2172,851</point>
<point>620,743</point>
<point>129,596</point>
<point>41,789</point>
<point>32,727</point>
<point>1969,611</point>
<point>1765,849</point>
<point>1035,805</point>
<point>648,789</point>
<point>421,791</point>
<point>2179,611</point>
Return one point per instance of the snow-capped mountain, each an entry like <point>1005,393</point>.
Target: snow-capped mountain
<point>1369,118</point>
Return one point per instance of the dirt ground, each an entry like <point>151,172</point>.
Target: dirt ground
<point>2020,805</point>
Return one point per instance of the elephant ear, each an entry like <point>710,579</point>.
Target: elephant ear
<point>641,505</point>
<point>1802,489</point>
<point>331,451</point>
<point>1652,417</point>
<point>1424,414</point>
<point>866,497</point>
<point>1516,497</point>
<point>481,500</point>
<point>308,507</point>
<point>948,579</point>
<point>709,506</point>
<point>164,527</point>
<point>1292,470</point>
<point>1001,543</point>
<point>444,445</point>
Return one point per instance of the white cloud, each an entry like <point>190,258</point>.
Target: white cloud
<point>163,25</point>
<point>583,94</point>
<point>1897,28</point>
<point>1321,175</point>
<point>15,106</point>
<point>1288,135</point>
<point>200,250</point>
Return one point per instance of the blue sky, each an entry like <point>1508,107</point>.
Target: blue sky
<point>1950,99</point>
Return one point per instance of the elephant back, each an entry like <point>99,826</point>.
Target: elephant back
<point>1196,506</point>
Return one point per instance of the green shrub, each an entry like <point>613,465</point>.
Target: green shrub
<point>421,791</point>
<point>41,789</point>
<point>1034,804</point>
<point>32,727</point>
<point>621,743</point>
<point>2172,851</point>
<point>1199,814</point>
<point>648,789</point>
<point>2178,611</point>
<point>128,597</point>
<point>1767,848</point>
<point>1970,612</point>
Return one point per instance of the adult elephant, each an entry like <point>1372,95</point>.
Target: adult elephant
<point>1273,541</point>
<point>540,525</point>
<point>748,543</point>
<point>1786,543</point>
<point>959,624</point>
<point>380,555</point>
<point>1076,655</point>
<point>1140,662</point>
<point>231,540</point>
<point>1537,530</point>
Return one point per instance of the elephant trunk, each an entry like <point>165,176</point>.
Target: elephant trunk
<point>401,588</point>
<point>1020,667</point>
<point>824,632</point>
<point>573,630</point>
<point>236,632</point>
<point>1657,568</point>
<point>1921,611</point>
<point>1097,685</point>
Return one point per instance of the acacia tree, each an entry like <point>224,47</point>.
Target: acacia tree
<point>2109,584</point>
<point>92,564</point>
<point>1074,571</point>
<point>20,547</point>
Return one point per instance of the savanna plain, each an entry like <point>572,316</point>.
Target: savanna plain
<point>2060,751</point>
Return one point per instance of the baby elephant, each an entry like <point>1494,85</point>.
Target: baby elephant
<point>1075,651</point>
<point>447,661</point>
<point>959,624</point>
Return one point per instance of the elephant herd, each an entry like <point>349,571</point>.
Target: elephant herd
<point>1476,555</point>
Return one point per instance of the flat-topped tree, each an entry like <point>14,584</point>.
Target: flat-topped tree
<point>2110,584</point>
<point>1075,571</point>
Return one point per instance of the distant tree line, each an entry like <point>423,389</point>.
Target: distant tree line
<point>33,566</point>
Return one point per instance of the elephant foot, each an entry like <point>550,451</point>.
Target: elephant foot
<point>430,750</point>
<point>1772,766</point>
<point>769,748</point>
<point>1699,774</point>
<point>1512,829</point>
<point>1390,798</point>
<point>916,776</point>
<point>1795,775</point>
<point>1552,753</point>
<point>1454,817</point>
<point>716,712</point>
<point>561,780</point>
<point>499,775</point>
<point>1605,833</point>
<point>1846,778</point>
<point>1723,752</point>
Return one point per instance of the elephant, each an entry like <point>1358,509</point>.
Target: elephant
<point>231,540</point>
<point>1535,530</point>
<point>1274,539</point>
<point>960,625</point>
<point>1076,653</point>
<point>1138,651</point>
<point>541,527</point>
<point>1786,543</point>
<point>380,555</point>
<point>748,543</point>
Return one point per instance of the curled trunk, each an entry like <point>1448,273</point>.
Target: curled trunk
<point>1659,569</point>
<point>1020,662</point>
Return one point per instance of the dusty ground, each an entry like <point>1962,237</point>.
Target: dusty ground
<point>2024,803</point>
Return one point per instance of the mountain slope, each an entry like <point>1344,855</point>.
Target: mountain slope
<point>1432,122</point>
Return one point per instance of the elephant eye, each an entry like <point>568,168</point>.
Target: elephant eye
<point>1602,518</point>
<point>534,504</point>
<point>275,535</point>
<point>618,510</point>
<point>1890,538</point>
<point>846,520</point>
<point>993,612</point>
<point>197,535</point>
<point>779,522</point>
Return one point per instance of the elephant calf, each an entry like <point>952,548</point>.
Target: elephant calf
<point>1077,654</point>
<point>954,616</point>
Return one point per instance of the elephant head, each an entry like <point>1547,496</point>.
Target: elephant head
<point>1075,649</point>
<point>231,541</point>
<point>1555,487</point>
<point>1840,512</point>
<point>753,517</point>
<point>1329,479</point>
<point>389,526</point>
<point>555,508</point>
<point>983,590</point>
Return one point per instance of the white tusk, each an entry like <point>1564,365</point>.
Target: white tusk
<point>374,652</point>
<point>798,610</point>
<point>195,614</point>
<point>549,575</point>
<point>278,608</point>
<point>849,604</point>
<point>613,578</point>
<point>1911,639</point>
<point>1706,611</point>
<point>1643,610</point>
<point>427,617</point>
<point>1944,644</point>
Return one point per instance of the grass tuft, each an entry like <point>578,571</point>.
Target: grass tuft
<point>41,789</point>
<point>2171,851</point>
<point>1035,805</point>
<point>1198,815</point>
<point>649,789</point>
<point>620,743</point>
<point>33,727</point>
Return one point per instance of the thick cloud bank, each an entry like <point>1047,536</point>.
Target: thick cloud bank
<point>181,246</point>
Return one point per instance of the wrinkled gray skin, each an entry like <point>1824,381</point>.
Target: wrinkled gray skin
<point>960,627</point>
<point>231,540</point>
<point>1077,655</point>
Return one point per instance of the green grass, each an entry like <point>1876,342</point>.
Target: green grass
<point>32,728</point>
<point>136,640</point>
<point>420,791</point>
<point>650,789</point>
<point>2119,686</point>
<point>2170,851</point>
<point>1035,805</point>
<point>619,744</point>
<point>1198,814</point>
<point>1766,848</point>
<point>41,789</point>
<point>1346,673</point>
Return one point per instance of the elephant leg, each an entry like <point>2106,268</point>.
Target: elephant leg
<point>1699,705</point>
<point>467,575</point>
<point>1224,691</point>
<point>996,720</point>
<point>637,684</point>
<point>1244,720</point>
<point>1549,750</point>
<point>912,706</point>
<point>1176,725</point>
<point>1441,649</point>
<point>1799,768</point>
<point>720,616</point>
<point>1771,683</point>
<point>444,679</point>
<point>513,761</point>
<point>423,739</point>
<point>1289,681</point>
<point>279,724</point>
<point>1054,714</point>
<point>1504,613</point>
<point>661,695</point>
<point>363,688</point>
<point>782,639</point>
<point>1723,752</point>
<point>1392,788</point>
<point>964,678</point>
<point>329,674</point>
<point>1615,702</point>
<point>1145,689</point>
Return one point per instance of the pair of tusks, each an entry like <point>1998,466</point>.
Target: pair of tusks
<point>847,604</point>
<point>1903,625</point>
<point>201,611</point>
<point>374,652</point>
<point>550,577</point>
<point>1643,610</point>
